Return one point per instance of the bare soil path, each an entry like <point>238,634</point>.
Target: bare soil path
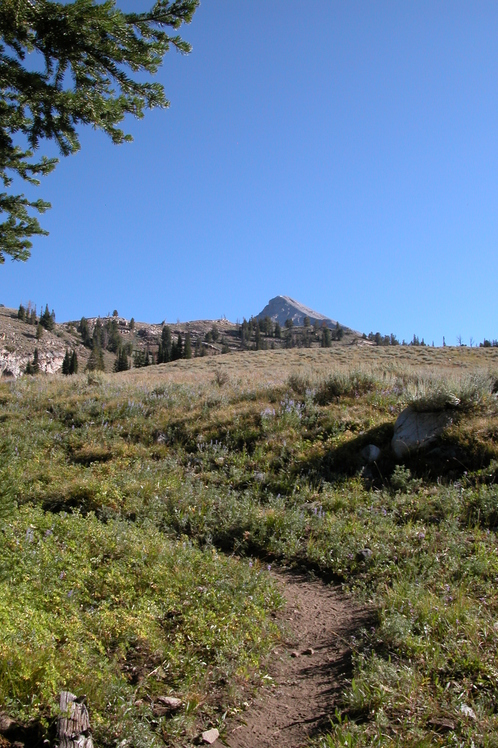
<point>309,668</point>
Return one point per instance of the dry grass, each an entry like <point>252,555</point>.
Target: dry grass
<point>269,368</point>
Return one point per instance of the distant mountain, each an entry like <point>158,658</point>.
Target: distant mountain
<point>282,308</point>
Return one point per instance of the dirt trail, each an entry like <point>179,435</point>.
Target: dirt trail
<point>319,621</point>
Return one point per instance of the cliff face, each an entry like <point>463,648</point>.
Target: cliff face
<point>18,342</point>
<point>13,365</point>
<point>282,308</point>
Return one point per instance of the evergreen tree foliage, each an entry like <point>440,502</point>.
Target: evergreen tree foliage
<point>21,313</point>
<point>96,360</point>
<point>66,364</point>
<point>99,337</point>
<point>112,340</point>
<point>245,333</point>
<point>121,363</point>
<point>140,358</point>
<point>87,49</point>
<point>187,353</point>
<point>132,324</point>
<point>214,333</point>
<point>177,349</point>
<point>39,331</point>
<point>267,326</point>
<point>73,366</point>
<point>326,338</point>
<point>47,319</point>
<point>164,352</point>
<point>84,331</point>
<point>33,367</point>
<point>278,331</point>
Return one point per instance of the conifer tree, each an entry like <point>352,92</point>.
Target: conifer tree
<point>35,366</point>
<point>165,345</point>
<point>121,363</point>
<point>39,331</point>
<point>187,353</point>
<point>96,360</point>
<point>73,367</point>
<point>66,364</point>
<point>21,313</point>
<point>278,331</point>
<point>91,60</point>
<point>46,319</point>
<point>326,339</point>
<point>84,331</point>
<point>98,337</point>
<point>177,349</point>
<point>111,339</point>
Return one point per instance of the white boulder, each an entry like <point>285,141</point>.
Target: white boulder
<point>414,430</point>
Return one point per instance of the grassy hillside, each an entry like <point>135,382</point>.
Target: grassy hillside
<point>141,510</point>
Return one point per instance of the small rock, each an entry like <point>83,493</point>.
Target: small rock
<point>309,651</point>
<point>364,555</point>
<point>467,711</point>
<point>370,453</point>
<point>442,724</point>
<point>295,654</point>
<point>6,723</point>
<point>170,701</point>
<point>210,736</point>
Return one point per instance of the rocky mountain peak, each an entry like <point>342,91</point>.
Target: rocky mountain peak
<point>282,308</point>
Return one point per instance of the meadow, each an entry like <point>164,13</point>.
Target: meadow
<point>140,513</point>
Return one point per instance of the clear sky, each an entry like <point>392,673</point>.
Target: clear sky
<point>343,153</point>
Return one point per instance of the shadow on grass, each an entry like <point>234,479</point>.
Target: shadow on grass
<point>450,457</point>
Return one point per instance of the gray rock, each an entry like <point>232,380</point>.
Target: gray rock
<point>414,430</point>
<point>370,453</point>
<point>171,702</point>
<point>364,555</point>
<point>210,736</point>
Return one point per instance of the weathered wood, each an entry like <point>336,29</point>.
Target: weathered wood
<point>73,727</point>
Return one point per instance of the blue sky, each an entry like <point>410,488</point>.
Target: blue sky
<point>343,153</point>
